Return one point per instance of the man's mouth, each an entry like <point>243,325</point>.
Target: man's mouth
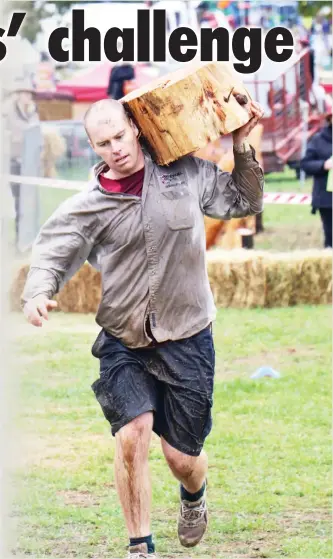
<point>122,159</point>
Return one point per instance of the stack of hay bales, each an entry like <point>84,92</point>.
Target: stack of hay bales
<point>244,279</point>
<point>81,294</point>
<point>239,279</point>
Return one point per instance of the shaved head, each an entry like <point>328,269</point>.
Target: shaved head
<point>103,111</point>
<point>114,137</point>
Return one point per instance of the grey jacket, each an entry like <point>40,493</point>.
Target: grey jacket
<point>151,251</point>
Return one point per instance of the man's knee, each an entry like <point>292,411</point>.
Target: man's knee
<point>180,463</point>
<point>133,439</point>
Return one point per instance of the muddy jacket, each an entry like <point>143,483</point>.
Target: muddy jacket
<point>151,251</point>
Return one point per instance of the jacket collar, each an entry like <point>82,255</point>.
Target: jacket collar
<point>101,166</point>
<point>326,133</point>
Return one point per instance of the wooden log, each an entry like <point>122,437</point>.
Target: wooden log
<point>183,111</point>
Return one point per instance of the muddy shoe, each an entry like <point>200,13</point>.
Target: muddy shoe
<point>192,522</point>
<point>140,552</point>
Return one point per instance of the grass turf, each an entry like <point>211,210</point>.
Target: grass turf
<point>270,485</point>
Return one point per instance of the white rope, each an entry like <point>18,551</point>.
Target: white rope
<point>285,198</point>
<point>48,183</point>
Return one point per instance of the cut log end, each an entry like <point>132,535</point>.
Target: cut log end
<point>183,111</point>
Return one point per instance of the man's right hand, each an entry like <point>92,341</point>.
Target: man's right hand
<point>328,164</point>
<point>37,308</point>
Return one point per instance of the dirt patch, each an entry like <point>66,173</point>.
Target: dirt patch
<point>57,453</point>
<point>315,515</point>
<point>83,499</point>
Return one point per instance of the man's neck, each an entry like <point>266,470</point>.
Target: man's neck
<point>116,175</point>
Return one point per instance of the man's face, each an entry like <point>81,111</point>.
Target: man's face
<point>114,138</point>
<point>25,97</point>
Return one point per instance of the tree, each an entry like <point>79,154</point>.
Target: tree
<point>308,8</point>
<point>36,11</point>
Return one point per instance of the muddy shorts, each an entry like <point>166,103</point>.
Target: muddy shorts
<point>174,380</point>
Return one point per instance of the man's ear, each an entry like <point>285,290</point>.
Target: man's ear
<point>135,128</point>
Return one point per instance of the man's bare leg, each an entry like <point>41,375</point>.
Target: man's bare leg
<point>132,474</point>
<point>191,471</point>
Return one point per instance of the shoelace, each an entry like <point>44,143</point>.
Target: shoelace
<point>141,556</point>
<point>192,514</point>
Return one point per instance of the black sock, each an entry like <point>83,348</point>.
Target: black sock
<point>192,497</point>
<point>146,539</point>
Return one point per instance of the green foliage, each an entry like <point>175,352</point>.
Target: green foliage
<point>36,11</point>
<point>307,8</point>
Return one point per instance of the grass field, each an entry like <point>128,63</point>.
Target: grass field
<point>270,487</point>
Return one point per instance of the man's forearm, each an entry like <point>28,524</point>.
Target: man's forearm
<point>242,147</point>
<point>249,178</point>
<point>39,282</point>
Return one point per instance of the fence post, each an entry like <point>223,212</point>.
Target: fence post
<point>305,118</point>
<point>29,223</point>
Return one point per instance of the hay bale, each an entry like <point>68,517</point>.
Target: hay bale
<point>81,294</point>
<point>237,278</point>
<point>313,277</point>
<point>17,286</point>
<point>280,274</point>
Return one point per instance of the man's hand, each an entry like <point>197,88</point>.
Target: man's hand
<point>37,308</point>
<point>328,164</point>
<point>242,133</point>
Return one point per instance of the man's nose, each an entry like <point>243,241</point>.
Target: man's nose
<point>116,149</point>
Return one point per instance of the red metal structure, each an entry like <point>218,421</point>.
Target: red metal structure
<point>285,97</point>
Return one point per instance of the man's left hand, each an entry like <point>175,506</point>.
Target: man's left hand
<point>240,135</point>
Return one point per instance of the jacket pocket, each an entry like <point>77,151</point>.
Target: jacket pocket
<point>177,205</point>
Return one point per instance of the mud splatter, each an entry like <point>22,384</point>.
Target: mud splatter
<point>154,103</point>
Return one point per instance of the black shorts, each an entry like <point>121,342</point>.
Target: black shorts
<point>174,380</point>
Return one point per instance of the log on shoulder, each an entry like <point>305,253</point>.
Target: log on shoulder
<point>181,112</point>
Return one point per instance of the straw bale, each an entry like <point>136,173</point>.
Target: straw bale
<point>313,277</point>
<point>20,275</point>
<point>280,277</point>
<point>82,293</point>
<point>239,278</point>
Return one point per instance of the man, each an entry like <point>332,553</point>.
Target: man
<point>318,162</point>
<point>143,226</point>
<point>19,112</point>
<point>120,73</point>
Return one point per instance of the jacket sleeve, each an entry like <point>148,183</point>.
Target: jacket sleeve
<point>237,194</point>
<point>58,252</point>
<point>312,163</point>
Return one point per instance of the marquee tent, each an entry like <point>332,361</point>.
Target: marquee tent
<point>90,85</point>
